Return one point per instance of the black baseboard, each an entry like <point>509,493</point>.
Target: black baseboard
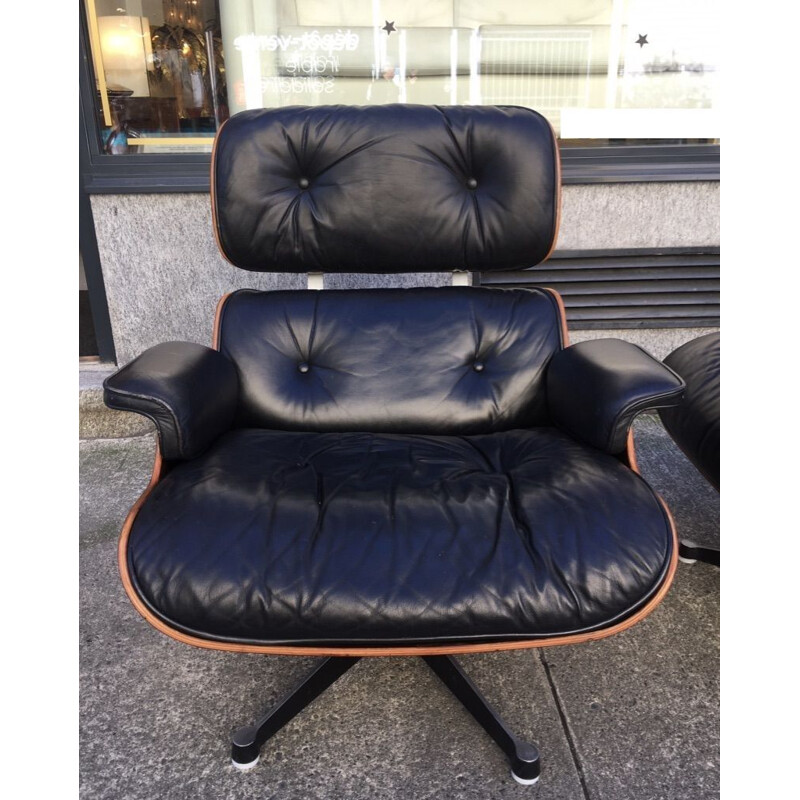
<point>87,339</point>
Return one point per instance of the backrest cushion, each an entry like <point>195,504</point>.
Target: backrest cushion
<point>386,188</point>
<point>443,360</point>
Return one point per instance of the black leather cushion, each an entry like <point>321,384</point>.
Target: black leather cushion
<point>333,538</point>
<point>188,390</point>
<point>595,389</point>
<point>695,424</point>
<point>390,188</point>
<point>447,360</point>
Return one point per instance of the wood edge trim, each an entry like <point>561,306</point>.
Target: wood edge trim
<point>562,313</point>
<point>364,652</point>
<point>215,331</point>
<point>122,547</point>
<point>630,454</point>
<point>557,164</point>
<point>213,193</point>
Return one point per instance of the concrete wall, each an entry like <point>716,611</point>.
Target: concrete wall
<point>164,275</point>
<point>620,215</point>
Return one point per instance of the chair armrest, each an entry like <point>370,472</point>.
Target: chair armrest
<point>188,390</point>
<point>596,388</point>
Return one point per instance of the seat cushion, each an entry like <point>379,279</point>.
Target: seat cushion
<point>279,537</point>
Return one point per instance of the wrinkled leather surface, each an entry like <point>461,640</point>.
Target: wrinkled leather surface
<point>596,388</point>
<point>188,390</point>
<point>444,360</point>
<point>279,537</point>
<point>390,188</point>
<point>695,423</point>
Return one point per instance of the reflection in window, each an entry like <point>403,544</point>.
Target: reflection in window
<point>160,73</point>
<point>602,71</point>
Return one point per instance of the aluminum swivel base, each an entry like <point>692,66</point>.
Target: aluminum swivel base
<point>523,757</point>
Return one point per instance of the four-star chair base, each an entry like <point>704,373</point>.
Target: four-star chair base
<point>523,757</point>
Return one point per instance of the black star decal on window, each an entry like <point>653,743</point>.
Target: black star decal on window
<point>642,41</point>
<point>389,27</point>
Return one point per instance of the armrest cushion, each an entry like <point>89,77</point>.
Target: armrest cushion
<point>596,388</point>
<point>188,390</point>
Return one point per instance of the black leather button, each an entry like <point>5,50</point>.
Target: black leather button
<point>478,366</point>
<point>302,367</point>
<point>303,183</point>
<point>472,183</point>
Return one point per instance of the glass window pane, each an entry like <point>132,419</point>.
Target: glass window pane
<point>160,74</point>
<point>602,71</point>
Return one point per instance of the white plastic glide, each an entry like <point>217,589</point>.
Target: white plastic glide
<point>461,278</point>
<point>525,781</point>
<point>685,560</point>
<point>315,280</point>
<point>245,767</point>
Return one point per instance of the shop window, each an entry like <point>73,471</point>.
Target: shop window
<point>160,74</point>
<point>604,72</point>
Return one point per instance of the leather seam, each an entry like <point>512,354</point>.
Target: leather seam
<point>152,399</point>
<point>419,641</point>
<point>637,406</point>
<point>141,413</point>
<point>631,410</point>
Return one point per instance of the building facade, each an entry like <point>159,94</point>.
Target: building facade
<point>629,86</point>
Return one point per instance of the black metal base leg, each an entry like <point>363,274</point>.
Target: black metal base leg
<point>689,552</point>
<point>247,741</point>
<point>523,757</point>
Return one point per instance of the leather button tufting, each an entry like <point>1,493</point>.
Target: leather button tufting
<point>257,170</point>
<point>303,183</point>
<point>302,367</point>
<point>478,366</point>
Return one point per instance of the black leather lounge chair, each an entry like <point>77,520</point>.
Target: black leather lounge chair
<point>694,424</point>
<point>418,472</point>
